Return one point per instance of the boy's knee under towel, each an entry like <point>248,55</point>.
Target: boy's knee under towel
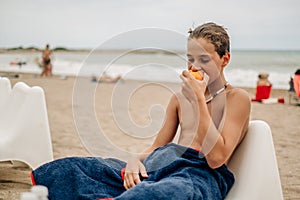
<point>175,172</point>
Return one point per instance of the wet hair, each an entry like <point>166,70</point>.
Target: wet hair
<point>214,33</point>
<point>297,71</point>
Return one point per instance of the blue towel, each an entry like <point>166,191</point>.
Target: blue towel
<point>175,172</point>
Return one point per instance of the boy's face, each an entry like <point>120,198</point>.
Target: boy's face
<point>202,56</point>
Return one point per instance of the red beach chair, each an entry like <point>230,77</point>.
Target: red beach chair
<point>297,84</point>
<point>262,92</point>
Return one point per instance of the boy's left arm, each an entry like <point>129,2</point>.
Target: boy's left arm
<point>217,145</point>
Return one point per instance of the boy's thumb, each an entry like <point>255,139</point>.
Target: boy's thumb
<point>143,172</point>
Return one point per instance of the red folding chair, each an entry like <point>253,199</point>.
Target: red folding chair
<point>262,92</point>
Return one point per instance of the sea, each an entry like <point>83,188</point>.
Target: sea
<point>242,70</point>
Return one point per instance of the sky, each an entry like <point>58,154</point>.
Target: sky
<point>255,24</point>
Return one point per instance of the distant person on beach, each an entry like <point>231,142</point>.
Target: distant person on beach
<point>263,79</point>
<point>213,117</point>
<point>19,63</point>
<point>291,84</point>
<point>105,78</point>
<point>263,87</point>
<point>46,62</point>
<point>296,82</point>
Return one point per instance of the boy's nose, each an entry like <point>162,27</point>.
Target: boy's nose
<point>195,68</point>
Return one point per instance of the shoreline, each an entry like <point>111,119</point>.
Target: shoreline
<point>30,75</point>
<point>282,118</point>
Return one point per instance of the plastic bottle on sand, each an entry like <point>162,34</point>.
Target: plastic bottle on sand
<point>41,191</point>
<point>29,196</point>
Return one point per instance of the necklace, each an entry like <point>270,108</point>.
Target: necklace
<point>217,93</point>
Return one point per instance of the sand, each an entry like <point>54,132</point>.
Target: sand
<point>72,118</point>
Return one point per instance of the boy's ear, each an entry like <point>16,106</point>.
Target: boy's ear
<point>226,59</point>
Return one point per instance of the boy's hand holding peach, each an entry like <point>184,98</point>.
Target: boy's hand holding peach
<point>194,85</point>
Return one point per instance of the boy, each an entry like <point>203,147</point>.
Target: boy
<point>213,117</point>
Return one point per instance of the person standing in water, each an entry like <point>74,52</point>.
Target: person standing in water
<point>46,63</point>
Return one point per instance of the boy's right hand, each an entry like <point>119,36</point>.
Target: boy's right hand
<point>193,89</point>
<point>134,169</point>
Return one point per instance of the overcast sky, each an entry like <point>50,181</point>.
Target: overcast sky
<point>252,24</point>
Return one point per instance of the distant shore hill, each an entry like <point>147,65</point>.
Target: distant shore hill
<point>136,51</point>
<point>33,48</point>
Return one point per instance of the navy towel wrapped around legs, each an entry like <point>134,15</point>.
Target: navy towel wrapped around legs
<point>175,172</point>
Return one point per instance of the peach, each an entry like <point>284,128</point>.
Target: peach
<point>197,74</point>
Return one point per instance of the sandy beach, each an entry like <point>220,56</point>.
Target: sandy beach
<point>67,128</point>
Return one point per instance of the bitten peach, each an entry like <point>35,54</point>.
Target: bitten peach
<point>197,74</point>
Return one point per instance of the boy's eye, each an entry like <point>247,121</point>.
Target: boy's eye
<point>191,60</point>
<point>204,60</point>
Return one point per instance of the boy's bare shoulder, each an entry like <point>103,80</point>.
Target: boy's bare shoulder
<point>238,102</point>
<point>238,94</point>
<point>174,100</point>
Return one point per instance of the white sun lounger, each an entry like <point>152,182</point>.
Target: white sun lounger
<point>24,128</point>
<point>255,167</point>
